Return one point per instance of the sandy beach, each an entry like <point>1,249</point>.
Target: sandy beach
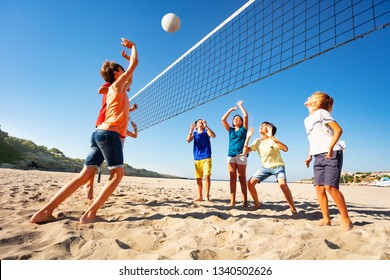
<point>157,219</point>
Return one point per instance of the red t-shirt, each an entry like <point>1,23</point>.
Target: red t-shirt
<point>102,112</point>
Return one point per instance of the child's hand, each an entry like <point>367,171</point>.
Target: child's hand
<point>204,123</point>
<point>126,43</point>
<point>250,132</point>
<point>133,125</point>
<point>233,108</point>
<point>239,102</point>
<point>329,154</point>
<point>125,55</point>
<point>307,161</point>
<point>192,126</point>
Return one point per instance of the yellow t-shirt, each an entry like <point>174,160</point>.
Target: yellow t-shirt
<point>268,151</point>
<point>117,113</point>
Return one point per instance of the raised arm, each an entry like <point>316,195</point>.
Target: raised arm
<point>209,131</point>
<point>280,144</point>
<point>249,134</point>
<point>130,81</point>
<point>120,84</point>
<point>244,113</point>
<point>190,135</point>
<point>225,116</point>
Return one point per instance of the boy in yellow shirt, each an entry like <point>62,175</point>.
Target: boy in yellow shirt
<point>268,148</point>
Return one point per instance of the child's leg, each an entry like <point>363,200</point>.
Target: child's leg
<point>232,168</point>
<point>338,198</point>
<point>88,187</point>
<point>207,181</point>
<point>242,178</point>
<point>207,164</point>
<point>46,213</point>
<point>252,189</point>
<point>288,195</point>
<point>114,180</point>
<point>323,201</point>
<point>199,176</point>
<point>199,183</point>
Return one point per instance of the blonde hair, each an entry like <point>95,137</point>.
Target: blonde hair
<point>322,100</point>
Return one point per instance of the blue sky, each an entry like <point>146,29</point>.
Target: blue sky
<point>51,53</point>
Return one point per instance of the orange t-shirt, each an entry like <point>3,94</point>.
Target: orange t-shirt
<point>117,112</point>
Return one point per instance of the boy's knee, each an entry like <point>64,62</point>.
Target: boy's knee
<point>283,186</point>
<point>331,190</point>
<point>118,172</point>
<point>252,183</point>
<point>242,178</point>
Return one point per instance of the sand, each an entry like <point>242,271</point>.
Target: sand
<point>157,219</point>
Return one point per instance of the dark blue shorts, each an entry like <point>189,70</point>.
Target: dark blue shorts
<point>327,171</point>
<point>105,145</point>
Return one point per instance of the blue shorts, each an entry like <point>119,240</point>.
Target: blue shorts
<point>264,173</point>
<point>105,145</point>
<point>327,171</point>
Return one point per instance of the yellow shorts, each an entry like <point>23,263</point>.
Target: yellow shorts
<point>202,168</point>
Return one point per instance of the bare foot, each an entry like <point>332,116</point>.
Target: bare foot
<point>88,218</point>
<point>199,199</point>
<point>346,226</point>
<point>323,223</point>
<point>295,214</point>
<point>88,191</point>
<point>254,208</point>
<point>42,217</point>
<point>245,204</point>
<point>232,204</point>
<point>209,199</point>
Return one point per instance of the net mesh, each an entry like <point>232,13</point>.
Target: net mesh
<point>259,40</point>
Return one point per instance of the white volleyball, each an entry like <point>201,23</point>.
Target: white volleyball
<point>170,22</point>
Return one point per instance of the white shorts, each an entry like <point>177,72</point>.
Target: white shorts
<point>238,159</point>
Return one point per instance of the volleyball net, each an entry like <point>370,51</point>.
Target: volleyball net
<point>259,40</point>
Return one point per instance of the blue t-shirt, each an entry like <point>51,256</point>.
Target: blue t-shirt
<point>202,146</point>
<point>236,141</point>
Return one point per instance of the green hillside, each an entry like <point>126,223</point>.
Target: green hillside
<point>25,154</point>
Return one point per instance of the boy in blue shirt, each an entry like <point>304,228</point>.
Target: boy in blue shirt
<point>202,155</point>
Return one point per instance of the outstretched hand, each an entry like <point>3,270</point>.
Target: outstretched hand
<point>125,55</point>
<point>134,107</point>
<point>250,132</point>
<point>239,102</point>
<point>126,43</point>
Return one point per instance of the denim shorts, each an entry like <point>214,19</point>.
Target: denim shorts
<point>327,171</point>
<point>264,173</point>
<point>105,145</point>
